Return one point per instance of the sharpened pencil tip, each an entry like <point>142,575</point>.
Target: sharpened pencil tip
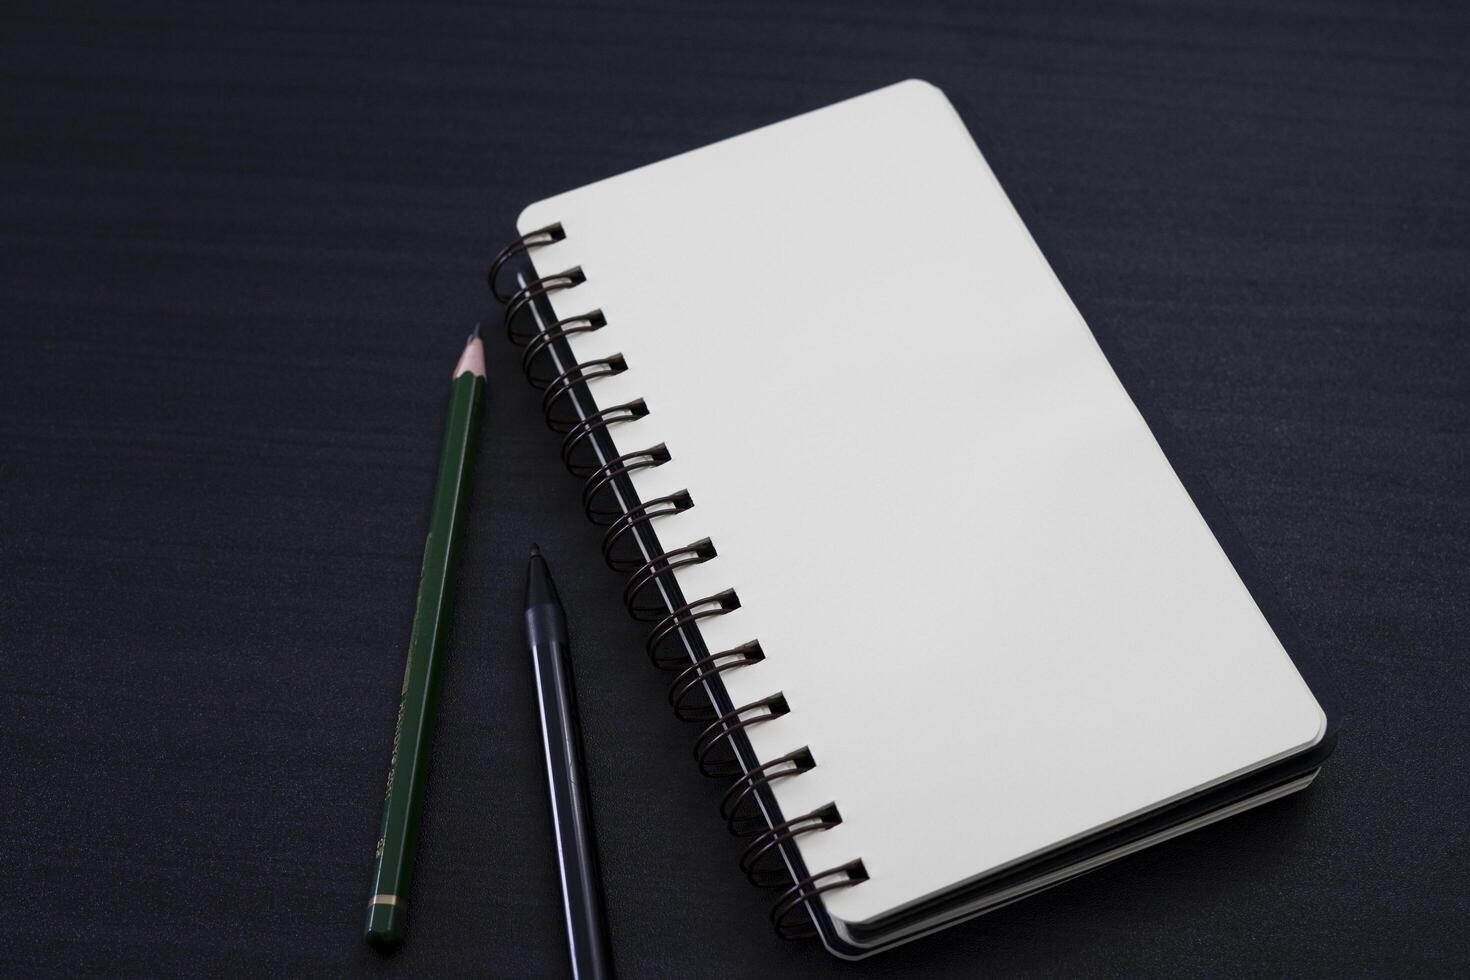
<point>535,551</point>
<point>473,358</point>
<point>475,332</point>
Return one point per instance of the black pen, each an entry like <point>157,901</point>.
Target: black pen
<point>576,846</point>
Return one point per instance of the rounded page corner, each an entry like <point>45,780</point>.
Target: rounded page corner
<point>532,216</point>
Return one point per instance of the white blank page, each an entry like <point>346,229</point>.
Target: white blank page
<point>997,616</point>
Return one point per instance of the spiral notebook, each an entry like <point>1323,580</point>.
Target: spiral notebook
<point>943,606</point>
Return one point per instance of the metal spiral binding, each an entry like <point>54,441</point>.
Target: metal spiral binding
<point>715,750</point>
<point>692,678</point>
<point>602,479</point>
<point>757,859</point>
<point>563,384</point>
<point>647,574</point>
<point>541,236</point>
<point>719,604</point>
<point>576,436</point>
<point>736,806</point>
<point>644,513</point>
<point>802,892</point>
<point>522,299</point>
<point>541,343</point>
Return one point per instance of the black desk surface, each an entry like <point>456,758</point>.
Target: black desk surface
<point>241,246</point>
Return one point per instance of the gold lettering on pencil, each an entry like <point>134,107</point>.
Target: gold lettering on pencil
<point>393,758</point>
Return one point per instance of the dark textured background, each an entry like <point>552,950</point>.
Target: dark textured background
<point>241,247</point>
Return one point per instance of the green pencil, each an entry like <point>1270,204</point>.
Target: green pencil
<point>393,861</point>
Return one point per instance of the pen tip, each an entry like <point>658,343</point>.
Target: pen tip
<point>535,551</point>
